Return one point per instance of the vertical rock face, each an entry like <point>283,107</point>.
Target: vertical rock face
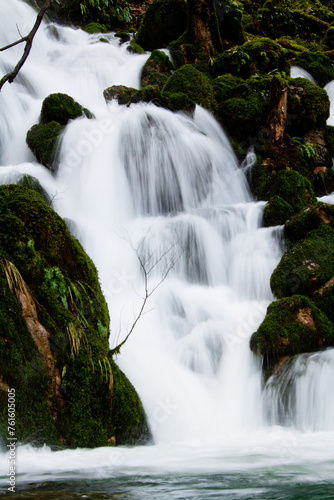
<point>54,335</point>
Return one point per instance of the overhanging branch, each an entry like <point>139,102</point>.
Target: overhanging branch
<point>9,77</point>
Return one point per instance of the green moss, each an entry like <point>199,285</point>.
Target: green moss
<point>308,107</point>
<point>329,38</point>
<point>92,28</point>
<point>307,220</point>
<point>293,188</point>
<point>316,63</point>
<point>307,266</point>
<point>61,108</point>
<point>194,84</point>
<point>146,94</point>
<point>276,19</point>
<point>178,102</point>
<point>230,17</point>
<point>128,415</point>
<point>64,288</point>
<point>120,92</point>
<point>163,22</point>
<point>43,141</point>
<point>292,326</point>
<point>158,63</point>
<point>34,184</point>
<point>276,212</point>
<point>124,36</point>
<point>329,137</point>
<point>259,56</point>
<point>135,48</point>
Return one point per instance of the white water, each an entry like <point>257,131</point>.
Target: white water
<point>144,181</point>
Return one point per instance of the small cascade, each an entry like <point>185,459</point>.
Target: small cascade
<point>301,394</point>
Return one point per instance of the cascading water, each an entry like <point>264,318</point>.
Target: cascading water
<point>142,184</point>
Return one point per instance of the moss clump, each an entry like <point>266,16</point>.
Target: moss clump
<point>135,48</point>
<point>34,184</point>
<point>128,415</point>
<point>316,63</point>
<point>308,107</point>
<point>292,326</point>
<point>194,84</point>
<point>329,137</point>
<point>177,102</point>
<point>293,188</point>
<point>147,94</point>
<point>164,21</point>
<point>124,36</point>
<point>158,63</point>
<point>307,266</point>
<point>61,108</point>
<point>92,28</point>
<point>43,141</point>
<point>276,212</point>
<point>329,38</point>
<point>59,363</point>
<point>259,56</point>
<point>120,92</point>
<point>307,220</point>
<point>276,19</point>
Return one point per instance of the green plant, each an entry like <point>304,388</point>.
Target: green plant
<point>307,150</point>
<point>55,280</point>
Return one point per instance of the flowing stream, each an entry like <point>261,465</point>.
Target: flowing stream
<point>144,184</point>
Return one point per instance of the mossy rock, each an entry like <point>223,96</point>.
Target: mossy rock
<point>62,108</point>
<point>276,212</point>
<point>135,48</point>
<point>329,136</point>
<point>178,101</point>
<point>124,36</point>
<point>292,325</point>
<point>54,347</point>
<point>93,28</point>
<point>146,94</point>
<point>163,22</point>
<point>158,63</point>
<point>276,19</point>
<point>308,107</point>
<point>120,92</point>
<point>316,63</point>
<point>307,266</point>
<point>32,183</point>
<point>324,299</point>
<point>194,84</point>
<point>128,416</point>
<point>43,141</point>
<point>259,56</point>
<point>293,188</point>
<point>329,38</point>
<point>308,219</point>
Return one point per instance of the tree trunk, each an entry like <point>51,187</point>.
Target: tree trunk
<point>278,113</point>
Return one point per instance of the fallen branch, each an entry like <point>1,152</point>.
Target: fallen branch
<point>28,39</point>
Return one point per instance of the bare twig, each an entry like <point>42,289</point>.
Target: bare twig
<point>147,291</point>
<point>28,39</point>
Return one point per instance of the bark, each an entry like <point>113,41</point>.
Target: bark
<point>278,105</point>
<point>202,25</point>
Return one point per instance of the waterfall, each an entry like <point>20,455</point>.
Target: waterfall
<point>148,191</point>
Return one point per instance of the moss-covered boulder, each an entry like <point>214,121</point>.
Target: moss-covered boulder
<point>307,266</point>
<point>92,28</point>
<point>119,92</point>
<point>43,141</point>
<point>135,48</point>
<point>294,188</point>
<point>62,108</point>
<point>243,107</point>
<point>308,219</point>
<point>308,107</point>
<point>316,63</point>
<point>329,38</point>
<point>164,21</point>
<point>31,182</point>
<point>157,69</point>
<point>54,348</point>
<point>292,325</point>
<point>194,84</point>
<point>276,212</point>
<point>259,56</point>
